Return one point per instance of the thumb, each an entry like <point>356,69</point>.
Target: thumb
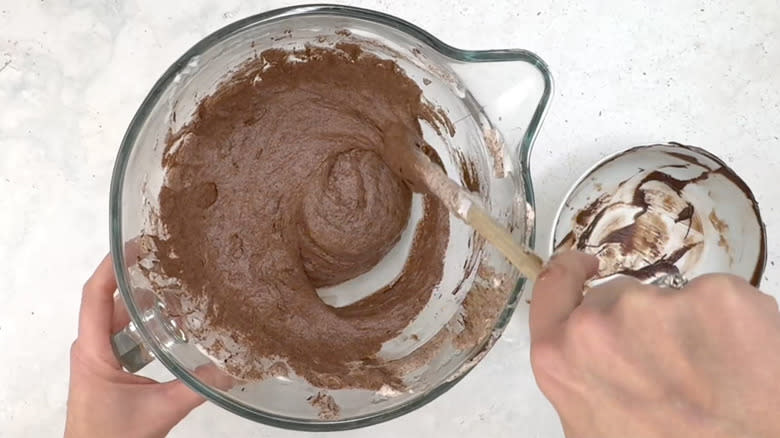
<point>558,290</point>
<point>180,400</point>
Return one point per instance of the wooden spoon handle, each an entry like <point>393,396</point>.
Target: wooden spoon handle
<point>416,165</point>
<point>526,261</point>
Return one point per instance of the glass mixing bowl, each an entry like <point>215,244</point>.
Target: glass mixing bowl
<point>496,100</point>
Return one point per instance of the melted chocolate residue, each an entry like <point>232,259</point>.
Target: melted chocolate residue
<point>673,183</point>
<point>666,265</point>
<point>593,213</point>
<point>586,213</point>
<point>685,214</point>
<point>624,236</point>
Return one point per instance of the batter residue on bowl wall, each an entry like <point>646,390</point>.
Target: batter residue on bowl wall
<point>279,186</point>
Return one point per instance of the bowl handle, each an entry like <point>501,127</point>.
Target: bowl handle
<point>129,346</point>
<point>513,88</point>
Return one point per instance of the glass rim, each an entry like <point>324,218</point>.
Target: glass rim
<point>163,84</point>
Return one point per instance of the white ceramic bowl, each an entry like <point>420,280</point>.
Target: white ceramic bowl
<point>664,209</point>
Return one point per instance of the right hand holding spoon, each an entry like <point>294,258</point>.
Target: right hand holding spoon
<point>632,361</point>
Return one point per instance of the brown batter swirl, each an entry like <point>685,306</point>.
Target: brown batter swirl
<point>279,186</point>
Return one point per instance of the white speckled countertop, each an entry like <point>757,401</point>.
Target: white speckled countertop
<point>72,73</point>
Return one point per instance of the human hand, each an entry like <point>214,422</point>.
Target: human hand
<point>635,361</point>
<point>104,400</point>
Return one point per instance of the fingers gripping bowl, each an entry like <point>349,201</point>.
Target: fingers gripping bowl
<point>165,230</point>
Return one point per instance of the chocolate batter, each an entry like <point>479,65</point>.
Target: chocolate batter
<point>279,186</point>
